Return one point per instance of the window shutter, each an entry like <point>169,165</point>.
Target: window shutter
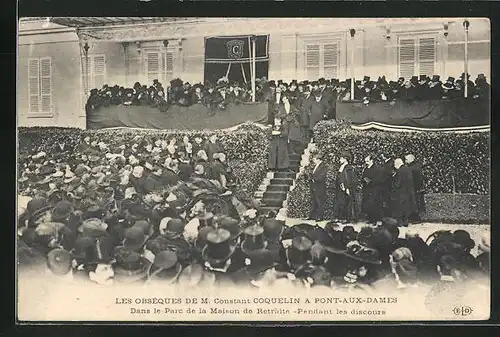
<point>312,61</point>
<point>46,84</point>
<point>152,66</point>
<point>33,86</point>
<point>98,71</point>
<point>427,55</point>
<point>407,57</point>
<point>330,60</point>
<point>169,67</point>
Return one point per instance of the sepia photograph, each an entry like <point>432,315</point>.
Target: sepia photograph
<point>204,169</point>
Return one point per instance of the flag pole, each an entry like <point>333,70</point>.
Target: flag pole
<point>466,57</point>
<point>352,32</point>
<point>253,67</point>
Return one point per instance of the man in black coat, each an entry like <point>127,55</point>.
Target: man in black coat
<point>403,202</point>
<point>386,182</point>
<point>318,187</point>
<point>418,185</point>
<point>372,180</point>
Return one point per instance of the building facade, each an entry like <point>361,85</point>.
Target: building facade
<point>61,60</point>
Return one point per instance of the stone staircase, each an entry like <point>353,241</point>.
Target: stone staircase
<point>273,191</point>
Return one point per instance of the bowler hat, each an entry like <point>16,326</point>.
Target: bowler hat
<point>254,240</point>
<point>130,266</point>
<point>218,248</point>
<point>463,238</point>
<point>165,267</point>
<point>62,210</point>
<point>93,228</point>
<point>135,238</point>
<point>94,211</point>
<point>59,261</point>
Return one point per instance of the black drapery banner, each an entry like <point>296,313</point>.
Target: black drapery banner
<point>235,49</point>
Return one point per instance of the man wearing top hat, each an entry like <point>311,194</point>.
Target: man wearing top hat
<point>305,102</point>
<point>319,110</point>
<point>403,201</point>
<point>482,88</point>
<point>318,187</point>
<point>344,189</point>
<point>435,89</point>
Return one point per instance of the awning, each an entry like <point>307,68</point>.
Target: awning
<point>81,22</point>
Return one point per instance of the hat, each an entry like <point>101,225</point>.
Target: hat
<point>356,251</point>
<point>165,266</point>
<point>201,239</point>
<point>175,226</point>
<point>81,247</point>
<point>218,248</point>
<point>206,219</point>
<point>130,266</point>
<point>37,206</point>
<point>62,210</point>
<point>135,238</point>
<point>435,78</point>
<point>59,261</point>
<point>254,240</point>
<point>449,83</point>
<point>94,211</point>
<point>300,250</point>
<point>260,261</point>
<point>463,238</point>
<point>232,226</point>
<point>481,77</point>
<point>273,229</point>
<point>46,170</point>
<point>144,225</point>
<point>93,228</point>
<point>100,252</point>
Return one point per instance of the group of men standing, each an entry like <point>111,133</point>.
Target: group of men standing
<point>393,188</point>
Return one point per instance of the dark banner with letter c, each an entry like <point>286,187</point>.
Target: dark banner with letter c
<point>235,49</point>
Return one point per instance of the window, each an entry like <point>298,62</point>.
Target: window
<point>417,56</point>
<point>159,65</point>
<point>40,84</point>
<point>322,60</point>
<point>96,71</point>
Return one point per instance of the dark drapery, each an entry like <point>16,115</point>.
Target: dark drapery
<point>236,49</point>
<point>426,114</point>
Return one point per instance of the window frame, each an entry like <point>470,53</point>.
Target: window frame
<point>39,111</point>
<point>321,49</point>
<point>417,36</point>
<point>163,74</point>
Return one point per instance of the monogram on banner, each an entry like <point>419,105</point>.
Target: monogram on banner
<point>235,49</point>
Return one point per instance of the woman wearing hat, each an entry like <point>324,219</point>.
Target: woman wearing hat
<point>291,118</point>
<point>344,189</point>
<point>278,159</point>
<point>363,264</point>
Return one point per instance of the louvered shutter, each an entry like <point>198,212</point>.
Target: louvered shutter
<point>152,66</point>
<point>46,84</point>
<point>312,61</point>
<point>33,85</point>
<point>98,71</point>
<point>427,55</point>
<point>169,67</point>
<point>407,57</point>
<point>330,60</point>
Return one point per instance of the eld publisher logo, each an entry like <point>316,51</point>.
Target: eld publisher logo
<point>462,311</point>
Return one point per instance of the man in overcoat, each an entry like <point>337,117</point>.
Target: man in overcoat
<point>418,185</point>
<point>318,111</point>
<point>372,180</point>
<point>318,187</point>
<point>403,202</point>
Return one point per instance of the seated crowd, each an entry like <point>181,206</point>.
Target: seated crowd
<point>218,96</point>
<point>125,214</point>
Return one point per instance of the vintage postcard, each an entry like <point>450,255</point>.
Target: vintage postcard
<point>253,169</point>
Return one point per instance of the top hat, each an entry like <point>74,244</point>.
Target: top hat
<point>273,229</point>
<point>232,226</point>
<point>135,238</point>
<point>321,81</point>
<point>463,238</point>
<point>358,252</point>
<point>201,239</point>
<point>481,77</point>
<point>254,240</point>
<point>260,261</point>
<point>218,248</point>
<point>366,79</point>
<point>165,267</point>
<point>300,250</point>
<point>59,261</point>
<point>130,266</point>
<point>435,78</point>
<point>423,78</point>
<point>99,253</point>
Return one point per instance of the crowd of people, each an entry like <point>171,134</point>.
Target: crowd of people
<point>136,214</point>
<point>389,188</point>
<point>217,96</point>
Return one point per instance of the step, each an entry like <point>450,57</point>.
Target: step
<point>266,209</point>
<point>282,181</point>
<point>278,188</point>
<point>272,202</point>
<point>289,175</point>
<point>275,195</point>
